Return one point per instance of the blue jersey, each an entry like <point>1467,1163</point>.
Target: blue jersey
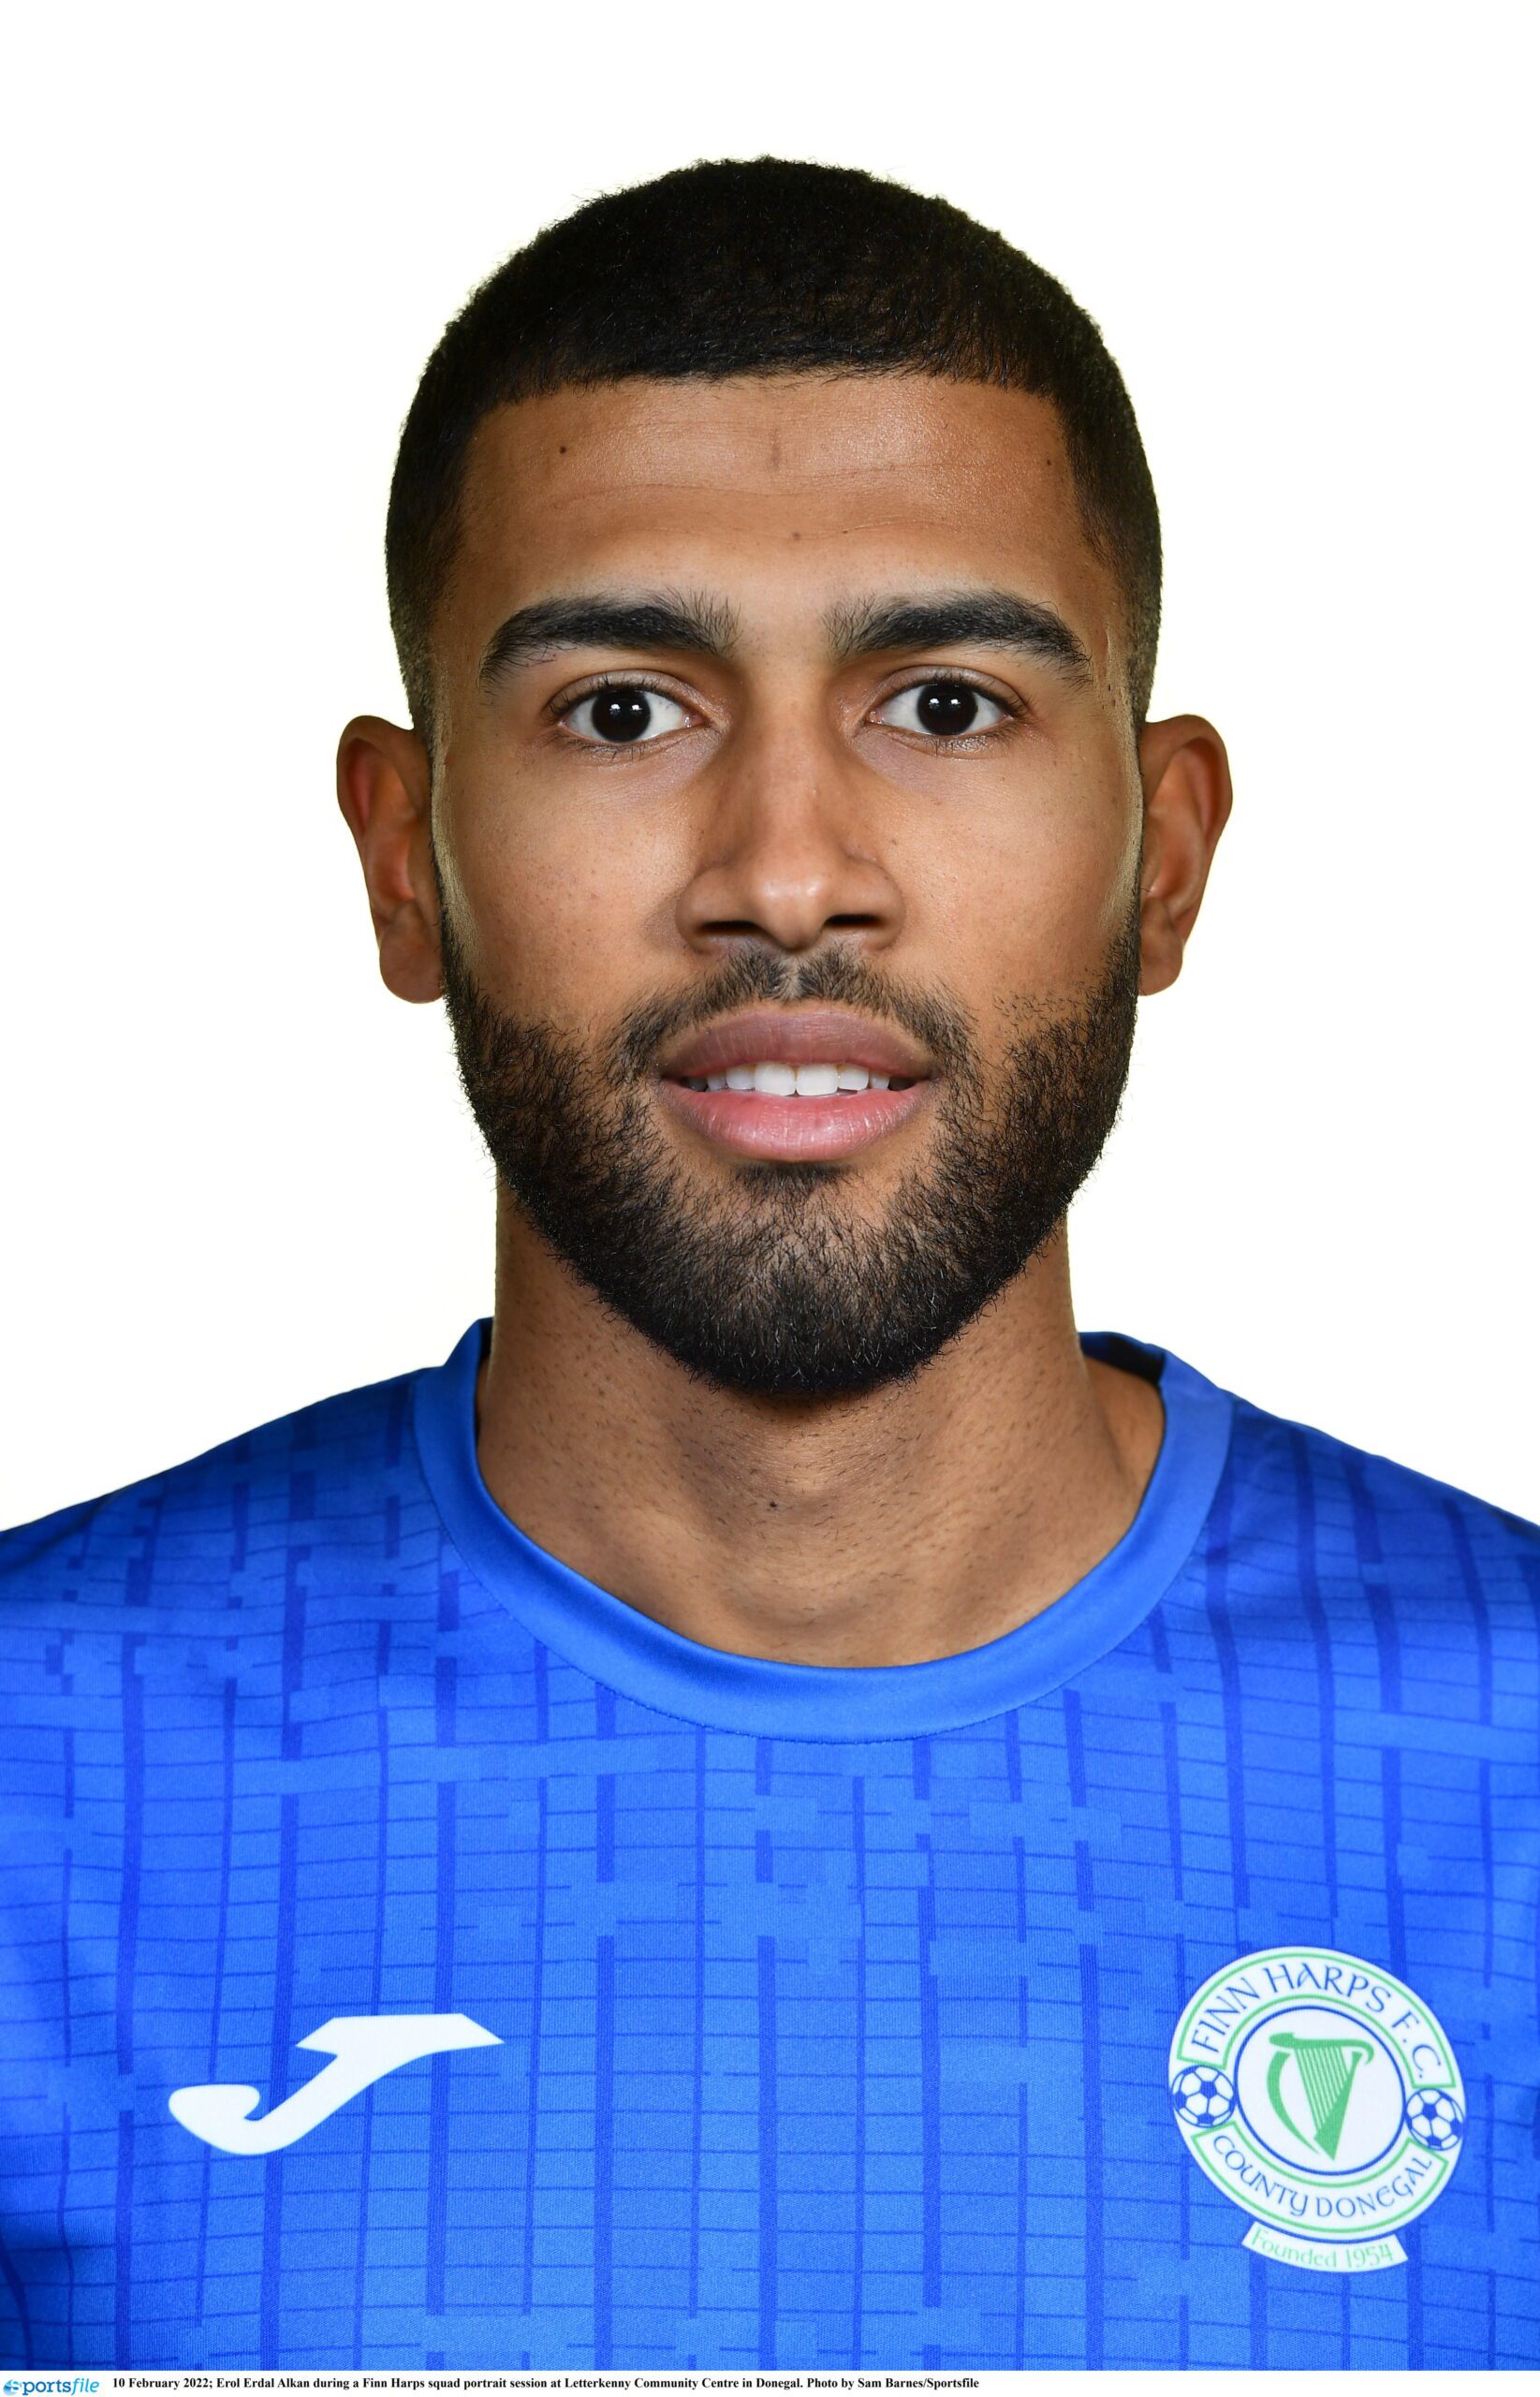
<point>414,1956</point>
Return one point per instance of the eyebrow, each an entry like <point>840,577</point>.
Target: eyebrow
<point>650,620</point>
<point>855,628</point>
<point>996,619</point>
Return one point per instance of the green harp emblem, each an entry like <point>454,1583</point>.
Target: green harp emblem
<point>1326,2071</point>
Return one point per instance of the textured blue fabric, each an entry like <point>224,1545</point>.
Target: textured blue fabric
<point>828,2013</point>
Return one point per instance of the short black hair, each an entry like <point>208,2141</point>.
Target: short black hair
<point>766,266</point>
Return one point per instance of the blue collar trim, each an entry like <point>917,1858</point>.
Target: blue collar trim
<point>627,1651</point>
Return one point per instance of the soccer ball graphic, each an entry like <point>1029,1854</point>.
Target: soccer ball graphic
<point>1203,2097</point>
<point>1434,2119</point>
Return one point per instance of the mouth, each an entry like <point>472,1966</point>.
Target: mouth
<point>800,1086</point>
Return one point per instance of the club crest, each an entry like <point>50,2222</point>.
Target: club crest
<point>1322,2096</point>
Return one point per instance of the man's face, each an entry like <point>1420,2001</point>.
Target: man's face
<point>780,697</point>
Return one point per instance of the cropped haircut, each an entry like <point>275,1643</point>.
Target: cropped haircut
<point>766,266</point>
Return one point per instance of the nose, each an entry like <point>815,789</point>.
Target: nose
<point>787,845</point>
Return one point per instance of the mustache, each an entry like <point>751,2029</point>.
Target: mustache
<point>755,976</point>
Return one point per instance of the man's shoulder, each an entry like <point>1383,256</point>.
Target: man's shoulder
<point>305,1467</point>
<point>1351,1509</point>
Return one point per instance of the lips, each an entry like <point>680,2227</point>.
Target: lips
<point>805,1129</point>
<point>792,1131</point>
<point>812,1036</point>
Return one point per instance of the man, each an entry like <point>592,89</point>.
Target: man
<point>782,1808</point>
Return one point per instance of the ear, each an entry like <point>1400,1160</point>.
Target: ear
<point>1186,777</point>
<point>383,788</point>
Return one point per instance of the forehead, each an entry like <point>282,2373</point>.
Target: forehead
<point>777,492</point>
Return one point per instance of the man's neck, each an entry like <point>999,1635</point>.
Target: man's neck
<point>889,1529</point>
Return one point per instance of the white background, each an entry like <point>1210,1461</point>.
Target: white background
<point>239,1176</point>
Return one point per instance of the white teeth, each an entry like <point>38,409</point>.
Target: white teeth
<point>779,1081</point>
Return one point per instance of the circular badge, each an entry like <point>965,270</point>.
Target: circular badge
<point>1322,2096</point>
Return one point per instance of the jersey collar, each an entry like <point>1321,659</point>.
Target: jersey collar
<point>627,1651</point>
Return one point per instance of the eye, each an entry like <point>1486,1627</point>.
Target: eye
<point>946,711</point>
<point>624,712</point>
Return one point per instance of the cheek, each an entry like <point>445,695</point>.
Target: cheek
<point>550,910</point>
<point>1034,893</point>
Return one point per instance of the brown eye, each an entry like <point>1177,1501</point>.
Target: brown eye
<point>947,710</point>
<point>622,714</point>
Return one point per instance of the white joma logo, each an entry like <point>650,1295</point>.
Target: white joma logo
<point>363,2047</point>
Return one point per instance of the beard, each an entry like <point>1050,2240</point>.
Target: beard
<point>770,1286</point>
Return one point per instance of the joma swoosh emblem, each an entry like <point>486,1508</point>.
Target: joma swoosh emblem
<point>363,2048</point>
